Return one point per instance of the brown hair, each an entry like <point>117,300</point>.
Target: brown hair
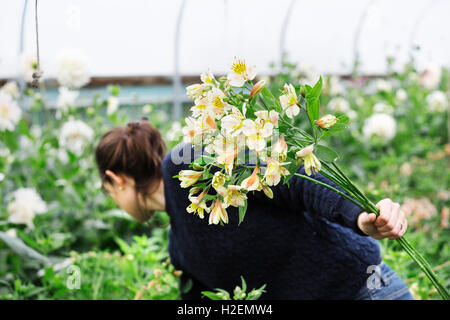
<point>136,150</point>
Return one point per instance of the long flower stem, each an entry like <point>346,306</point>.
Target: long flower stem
<point>366,205</point>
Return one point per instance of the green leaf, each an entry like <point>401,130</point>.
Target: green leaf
<point>313,109</point>
<point>324,153</point>
<point>270,100</point>
<point>23,129</point>
<point>315,92</point>
<point>242,211</point>
<point>9,138</point>
<point>202,160</point>
<point>211,295</point>
<point>244,284</point>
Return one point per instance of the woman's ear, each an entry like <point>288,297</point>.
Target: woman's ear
<point>120,181</point>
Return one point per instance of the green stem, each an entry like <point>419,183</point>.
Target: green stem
<point>413,253</point>
<point>327,186</point>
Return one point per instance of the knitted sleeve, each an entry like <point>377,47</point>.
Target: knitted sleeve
<point>304,195</point>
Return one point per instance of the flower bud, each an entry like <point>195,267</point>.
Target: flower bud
<point>327,121</point>
<point>197,166</point>
<point>257,88</point>
<point>302,91</point>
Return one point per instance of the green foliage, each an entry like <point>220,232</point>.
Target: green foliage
<point>239,293</point>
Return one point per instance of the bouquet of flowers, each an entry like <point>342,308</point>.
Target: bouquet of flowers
<point>250,136</point>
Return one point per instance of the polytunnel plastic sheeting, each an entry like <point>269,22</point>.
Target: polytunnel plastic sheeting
<point>137,37</point>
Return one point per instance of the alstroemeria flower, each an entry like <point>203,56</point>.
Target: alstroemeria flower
<point>194,91</point>
<point>311,161</point>
<point>253,182</point>
<point>327,121</point>
<point>194,130</point>
<point>274,172</point>
<point>196,206</point>
<point>257,88</point>
<point>279,150</point>
<point>214,99</point>
<point>234,196</point>
<point>257,131</point>
<point>218,182</point>
<point>189,177</point>
<point>202,108</point>
<point>207,78</point>
<point>267,115</point>
<point>232,123</point>
<point>218,213</point>
<point>289,101</point>
<point>226,158</point>
<point>240,72</point>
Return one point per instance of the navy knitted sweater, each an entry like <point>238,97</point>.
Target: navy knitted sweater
<point>303,244</point>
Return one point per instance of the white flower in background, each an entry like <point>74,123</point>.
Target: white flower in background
<point>75,135</point>
<point>147,108</point>
<point>26,146</point>
<point>11,88</point>
<point>66,98</point>
<point>339,105</point>
<point>382,107</point>
<point>112,104</point>
<point>437,101</point>
<point>175,131</point>
<point>351,114</point>
<point>383,85</point>
<point>431,77</point>
<point>10,112</point>
<point>28,65</point>
<point>334,86</point>
<point>381,125</point>
<point>72,69</point>
<point>2,176</point>
<point>401,96</point>
<point>25,205</point>
<point>308,75</point>
<point>12,233</point>
<point>36,131</point>
<point>240,72</point>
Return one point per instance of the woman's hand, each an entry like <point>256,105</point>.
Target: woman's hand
<point>391,223</point>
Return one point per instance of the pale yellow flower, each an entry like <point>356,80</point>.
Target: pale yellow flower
<point>218,182</point>
<point>256,132</point>
<point>234,196</point>
<point>240,73</point>
<point>214,99</point>
<point>194,91</point>
<point>274,172</point>
<point>233,122</point>
<point>253,182</point>
<point>266,115</point>
<point>226,158</point>
<point>311,161</point>
<point>218,213</point>
<point>189,177</point>
<point>279,150</point>
<point>207,78</point>
<point>196,206</point>
<point>289,101</point>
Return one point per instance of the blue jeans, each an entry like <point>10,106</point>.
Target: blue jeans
<point>384,284</point>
